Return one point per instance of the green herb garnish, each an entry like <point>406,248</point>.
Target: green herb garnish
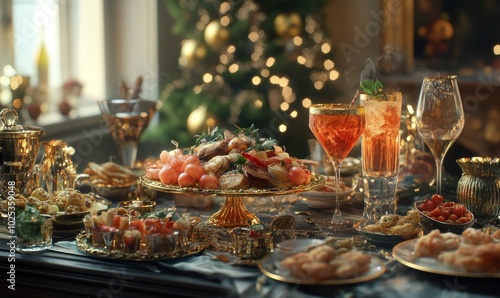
<point>372,87</point>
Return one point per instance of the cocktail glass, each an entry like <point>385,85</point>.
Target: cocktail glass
<point>380,152</point>
<point>439,118</point>
<point>127,119</point>
<point>337,127</point>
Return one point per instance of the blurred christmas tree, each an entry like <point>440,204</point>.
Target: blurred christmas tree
<point>246,62</point>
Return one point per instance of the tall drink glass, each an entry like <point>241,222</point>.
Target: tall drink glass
<point>337,127</point>
<point>380,153</point>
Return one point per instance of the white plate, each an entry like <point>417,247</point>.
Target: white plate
<point>270,266</point>
<point>293,246</point>
<point>404,252</point>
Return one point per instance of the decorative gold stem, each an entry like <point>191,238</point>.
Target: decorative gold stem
<point>233,213</point>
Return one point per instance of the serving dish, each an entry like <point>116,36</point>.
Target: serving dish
<point>270,266</point>
<point>324,196</point>
<point>384,239</point>
<point>233,213</point>
<point>430,223</point>
<point>404,253</point>
<point>292,246</point>
<point>83,244</point>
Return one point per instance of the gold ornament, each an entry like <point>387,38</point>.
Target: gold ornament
<point>200,119</point>
<point>216,35</point>
<point>288,24</point>
<point>192,52</point>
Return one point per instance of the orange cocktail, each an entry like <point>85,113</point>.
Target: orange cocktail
<point>380,152</point>
<point>337,128</point>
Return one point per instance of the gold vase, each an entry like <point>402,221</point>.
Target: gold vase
<point>479,186</point>
<point>58,171</point>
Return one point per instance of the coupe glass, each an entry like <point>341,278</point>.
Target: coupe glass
<point>127,119</point>
<point>439,118</point>
<point>337,128</point>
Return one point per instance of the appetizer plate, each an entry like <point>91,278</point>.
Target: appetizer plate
<point>292,246</point>
<point>404,252</point>
<point>384,239</point>
<point>270,266</point>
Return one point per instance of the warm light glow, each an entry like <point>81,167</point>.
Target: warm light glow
<point>224,59</point>
<point>283,82</point>
<point>301,60</point>
<point>207,78</point>
<point>253,36</point>
<point>287,92</point>
<point>196,118</point>
<point>294,114</point>
<point>225,20</point>
<point>334,75</point>
<point>197,89</point>
<point>410,109</point>
<point>5,81</point>
<point>325,48</point>
<point>274,80</point>
<point>306,103</point>
<point>233,68</point>
<point>256,80</point>
<point>284,106</point>
<point>220,68</point>
<point>328,64</point>
<point>231,49</point>
<point>318,85</point>
<point>17,103</point>
<point>282,128</point>
<point>258,104</point>
<point>270,61</point>
<point>297,40</point>
<point>211,122</point>
<point>224,7</point>
<point>265,73</point>
<point>255,57</point>
<point>496,49</point>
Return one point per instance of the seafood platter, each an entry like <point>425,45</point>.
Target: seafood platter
<point>232,164</point>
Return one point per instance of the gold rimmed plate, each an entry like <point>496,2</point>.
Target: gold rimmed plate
<point>404,253</point>
<point>316,181</point>
<point>270,266</point>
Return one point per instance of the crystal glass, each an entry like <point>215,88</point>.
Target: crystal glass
<point>380,152</point>
<point>127,119</point>
<point>439,118</point>
<point>337,127</point>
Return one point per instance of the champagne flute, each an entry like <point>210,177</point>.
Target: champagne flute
<point>439,118</point>
<point>337,128</point>
<point>127,119</point>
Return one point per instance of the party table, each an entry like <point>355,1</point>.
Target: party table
<point>63,271</point>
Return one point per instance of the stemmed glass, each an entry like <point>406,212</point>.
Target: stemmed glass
<point>439,118</point>
<point>337,128</point>
<point>127,119</point>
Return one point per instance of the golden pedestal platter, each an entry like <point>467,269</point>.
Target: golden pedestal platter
<point>233,213</point>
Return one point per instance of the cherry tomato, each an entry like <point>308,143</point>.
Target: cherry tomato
<point>437,199</point>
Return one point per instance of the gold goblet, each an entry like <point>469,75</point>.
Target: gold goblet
<point>127,119</point>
